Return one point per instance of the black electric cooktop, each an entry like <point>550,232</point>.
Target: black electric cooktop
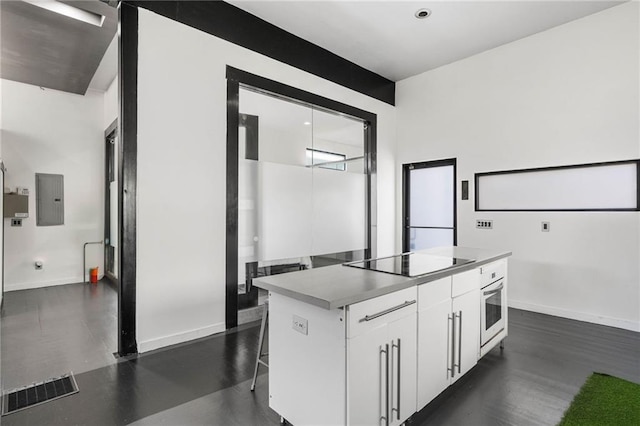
<point>410,264</point>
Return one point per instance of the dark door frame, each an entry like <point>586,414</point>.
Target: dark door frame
<point>110,169</point>
<point>406,188</point>
<point>236,78</point>
<point>127,176</point>
<point>2,236</point>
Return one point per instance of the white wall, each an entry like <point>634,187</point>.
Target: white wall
<point>565,96</point>
<point>182,174</point>
<point>111,109</point>
<point>48,131</point>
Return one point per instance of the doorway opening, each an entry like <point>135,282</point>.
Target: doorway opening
<point>111,204</point>
<point>300,185</point>
<point>429,205</point>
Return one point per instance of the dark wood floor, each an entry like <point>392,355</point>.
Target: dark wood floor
<point>545,361</point>
<point>49,331</point>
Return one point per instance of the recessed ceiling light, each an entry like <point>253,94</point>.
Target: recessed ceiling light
<point>307,123</point>
<point>69,11</point>
<point>423,13</point>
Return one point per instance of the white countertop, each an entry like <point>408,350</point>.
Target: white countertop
<point>337,286</point>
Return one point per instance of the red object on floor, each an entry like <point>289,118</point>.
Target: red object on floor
<point>93,275</point>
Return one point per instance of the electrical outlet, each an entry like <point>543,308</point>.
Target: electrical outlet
<point>546,226</point>
<point>484,224</point>
<point>300,325</point>
<point>16,222</point>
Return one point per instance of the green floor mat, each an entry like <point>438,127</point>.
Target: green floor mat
<point>604,400</point>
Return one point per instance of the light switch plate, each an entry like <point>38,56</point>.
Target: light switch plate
<point>484,224</point>
<point>546,226</point>
<point>301,325</point>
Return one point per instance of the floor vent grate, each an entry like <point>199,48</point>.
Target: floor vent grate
<point>38,393</point>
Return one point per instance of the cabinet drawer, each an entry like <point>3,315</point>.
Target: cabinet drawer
<point>492,272</point>
<point>465,282</point>
<point>372,313</point>
<point>430,294</point>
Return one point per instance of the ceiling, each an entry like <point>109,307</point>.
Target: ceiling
<point>386,38</point>
<point>47,49</point>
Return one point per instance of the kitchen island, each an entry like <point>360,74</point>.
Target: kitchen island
<point>351,345</point>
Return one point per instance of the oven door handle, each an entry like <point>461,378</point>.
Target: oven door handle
<point>494,291</point>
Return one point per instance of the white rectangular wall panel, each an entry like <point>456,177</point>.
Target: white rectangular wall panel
<point>607,186</point>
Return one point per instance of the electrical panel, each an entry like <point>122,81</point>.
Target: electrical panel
<point>16,205</point>
<point>49,199</point>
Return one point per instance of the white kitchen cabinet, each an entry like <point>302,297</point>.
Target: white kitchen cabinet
<point>381,361</point>
<point>307,373</point>
<point>336,358</point>
<point>381,371</point>
<point>366,377</point>
<point>434,351</point>
<point>403,358</point>
<point>361,360</point>
<point>466,314</point>
<point>448,332</point>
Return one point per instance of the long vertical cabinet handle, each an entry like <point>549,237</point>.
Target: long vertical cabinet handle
<point>457,332</point>
<point>397,410</point>
<point>385,351</point>
<point>450,333</point>
<point>453,345</point>
<point>459,342</point>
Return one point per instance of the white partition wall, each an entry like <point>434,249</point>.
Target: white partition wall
<point>182,129</point>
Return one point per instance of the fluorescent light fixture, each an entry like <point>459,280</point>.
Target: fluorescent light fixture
<point>69,11</point>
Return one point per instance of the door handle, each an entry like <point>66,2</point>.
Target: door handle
<point>452,318</point>
<point>496,290</point>
<point>397,410</point>
<point>387,311</point>
<point>459,342</point>
<point>385,351</point>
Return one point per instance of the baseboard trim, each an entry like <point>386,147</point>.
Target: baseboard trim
<point>579,316</point>
<point>174,339</point>
<point>40,284</point>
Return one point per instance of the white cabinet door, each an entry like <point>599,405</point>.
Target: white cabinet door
<point>434,351</point>
<point>367,377</point>
<point>466,309</point>
<point>381,386</point>
<point>402,363</point>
